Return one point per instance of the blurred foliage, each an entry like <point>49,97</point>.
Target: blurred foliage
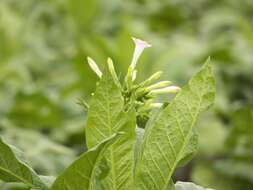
<point>43,45</point>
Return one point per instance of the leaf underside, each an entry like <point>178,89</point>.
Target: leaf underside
<point>168,135</point>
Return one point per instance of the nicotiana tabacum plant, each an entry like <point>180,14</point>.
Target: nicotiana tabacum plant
<point>133,142</point>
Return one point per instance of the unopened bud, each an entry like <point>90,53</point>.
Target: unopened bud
<point>152,78</point>
<point>161,84</point>
<point>170,89</point>
<point>156,105</point>
<point>112,71</point>
<point>94,67</point>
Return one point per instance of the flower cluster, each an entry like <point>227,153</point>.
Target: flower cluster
<point>144,94</point>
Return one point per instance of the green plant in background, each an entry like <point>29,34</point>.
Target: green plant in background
<point>42,41</point>
<point>120,154</point>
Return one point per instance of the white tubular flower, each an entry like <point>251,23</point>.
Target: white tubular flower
<point>140,45</point>
<point>160,84</point>
<point>94,67</point>
<point>170,89</point>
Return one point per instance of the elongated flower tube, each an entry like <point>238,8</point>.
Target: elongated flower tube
<point>94,67</point>
<point>166,90</point>
<point>140,45</point>
<point>160,84</point>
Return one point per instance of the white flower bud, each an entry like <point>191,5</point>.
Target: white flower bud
<point>156,105</point>
<point>151,79</point>
<point>112,71</point>
<point>160,84</point>
<point>94,67</point>
<point>170,89</point>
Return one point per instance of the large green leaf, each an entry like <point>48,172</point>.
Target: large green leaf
<point>13,169</point>
<point>106,116</point>
<point>167,137</point>
<point>188,186</point>
<point>84,173</point>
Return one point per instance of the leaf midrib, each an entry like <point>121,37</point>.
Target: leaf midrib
<point>184,145</point>
<point>111,148</point>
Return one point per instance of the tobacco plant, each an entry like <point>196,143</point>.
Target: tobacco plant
<point>133,141</point>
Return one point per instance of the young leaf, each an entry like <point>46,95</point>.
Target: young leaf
<point>13,169</point>
<point>82,174</point>
<point>168,135</point>
<point>105,117</point>
<point>105,110</point>
<point>188,186</point>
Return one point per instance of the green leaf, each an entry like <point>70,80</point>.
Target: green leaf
<point>167,136</point>
<point>190,150</point>
<point>105,112</point>
<point>13,169</point>
<point>83,173</point>
<point>188,186</point>
<point>139,138</point>
<point>106,116</point>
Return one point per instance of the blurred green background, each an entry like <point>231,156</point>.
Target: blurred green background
<point>44,74</point>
